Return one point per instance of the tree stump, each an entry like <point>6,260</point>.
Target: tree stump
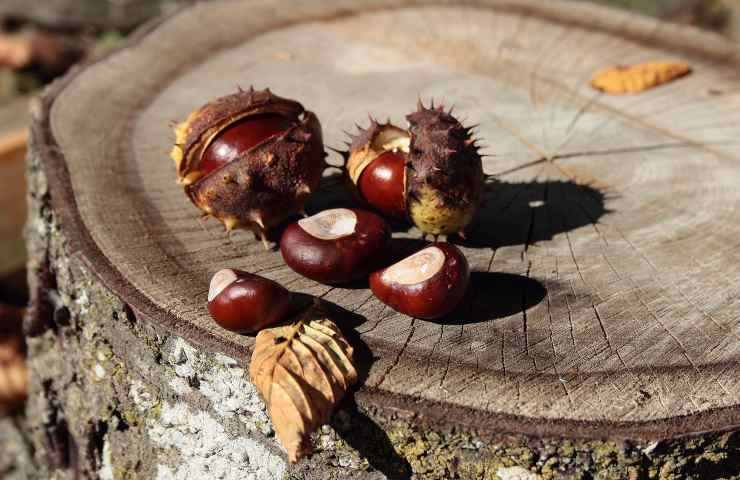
<point>599,338</point>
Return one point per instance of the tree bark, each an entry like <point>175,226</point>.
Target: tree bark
<point>599,339</point>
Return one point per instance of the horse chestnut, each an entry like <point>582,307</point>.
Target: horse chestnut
<point>431,174</point>
<point>245,303</point>
<point>240,137</point>
<point>336,246</point>
<point>429,284</point>
<point>250,159</point>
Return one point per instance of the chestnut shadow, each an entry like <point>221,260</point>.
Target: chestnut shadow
<point>523,213</point>
<point>511,213</point>
<point>350,422</point>
<point>494,295</point>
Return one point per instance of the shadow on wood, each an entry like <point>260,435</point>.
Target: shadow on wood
<point>372,442</point>
<point>494,295</point>
<point>528,212</point>
<point>512,213</point>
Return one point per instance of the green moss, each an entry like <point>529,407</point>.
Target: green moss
<point>131,417</point>
<point>436,454</point>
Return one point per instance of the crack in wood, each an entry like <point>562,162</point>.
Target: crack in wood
<point>380,319</point>
<point>524,311</point>
<point>398,355</point>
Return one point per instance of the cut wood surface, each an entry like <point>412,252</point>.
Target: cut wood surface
<point>604,297</point>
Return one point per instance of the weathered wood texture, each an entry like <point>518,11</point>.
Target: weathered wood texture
<point>604,303</point>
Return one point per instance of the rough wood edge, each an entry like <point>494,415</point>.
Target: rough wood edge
<point>688,39</point>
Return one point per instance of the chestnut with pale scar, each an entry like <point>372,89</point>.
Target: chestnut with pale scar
<point>246,303</point>
<point>428,284</point>
<point>336,246</point>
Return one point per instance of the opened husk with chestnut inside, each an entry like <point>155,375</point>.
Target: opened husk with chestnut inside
<point>263,184</point>
<point>442,180</point>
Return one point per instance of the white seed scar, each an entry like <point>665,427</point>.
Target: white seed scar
<point>417,268</point>
<point>221,280</point>
<point>330,224</point>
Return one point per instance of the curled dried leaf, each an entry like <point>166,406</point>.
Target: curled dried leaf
<point>302,370</point>
<point>13,372</point>
<point>625,79</point>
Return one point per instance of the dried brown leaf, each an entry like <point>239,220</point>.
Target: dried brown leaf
<point>13,372</point>
<point>302,370</point>
<point>16,51</point>
<point>628,79</point>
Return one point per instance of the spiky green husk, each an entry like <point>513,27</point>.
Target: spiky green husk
<point>444,181</point>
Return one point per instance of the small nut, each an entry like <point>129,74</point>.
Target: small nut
<point>428,284</point>
<point>245,303</point>
<point>336,246</point>
<point>383,183</point>
<point>240,137</point>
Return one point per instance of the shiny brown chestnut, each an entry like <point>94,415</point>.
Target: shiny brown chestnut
<point>382,184</point>
<point>336,246</point>
<point>428,284</point>
<point>240,137</point>
<point>245,303</point>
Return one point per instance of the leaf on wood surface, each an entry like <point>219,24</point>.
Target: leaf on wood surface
<point>637,78</point>
<point>13,373</point>
<point>302,370</point>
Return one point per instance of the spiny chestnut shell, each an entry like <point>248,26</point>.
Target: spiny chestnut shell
<point>424,295</point>
<point>357,251</point>
<point>443,181</point>
<point>248,302</point>
<point>266,183</point>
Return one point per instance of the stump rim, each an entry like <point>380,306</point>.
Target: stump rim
<point>43,143</point>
